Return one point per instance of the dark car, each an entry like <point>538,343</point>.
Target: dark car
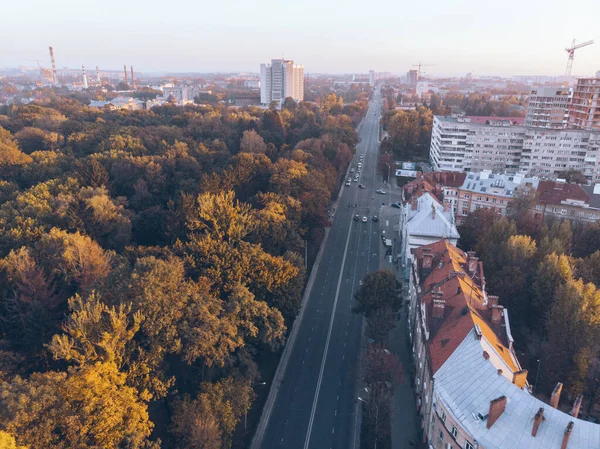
<point>362,186</point>
<point>397,205</point>
<point>356,218</point>
<point>375,218</point>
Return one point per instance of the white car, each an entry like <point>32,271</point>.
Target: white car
<point>364,219</point>
<point>359,165</point>
<point>380,191</point>
<point>355,179</point>
<point>348,182</point>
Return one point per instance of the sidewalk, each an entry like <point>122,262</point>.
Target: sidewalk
<point>404,413</point>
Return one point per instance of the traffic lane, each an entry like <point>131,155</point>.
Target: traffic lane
<point>294,400</point>
<point>334,408</point>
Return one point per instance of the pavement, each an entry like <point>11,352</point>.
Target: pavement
<point>312,403</point>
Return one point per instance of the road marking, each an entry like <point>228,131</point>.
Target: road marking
<point>320,379</point>
<point>333,430</point>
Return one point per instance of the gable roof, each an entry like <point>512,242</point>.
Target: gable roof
<point>424,222</point>
<point>552,192</point>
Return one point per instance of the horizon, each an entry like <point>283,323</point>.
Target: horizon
<point>356,37</point>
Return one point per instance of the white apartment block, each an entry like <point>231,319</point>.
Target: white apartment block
<point>476,143</point>
<point>497,144</point>
<point>548,107</point>
<point>281,79</point>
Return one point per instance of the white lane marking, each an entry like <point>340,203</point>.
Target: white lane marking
<point>337,294</point>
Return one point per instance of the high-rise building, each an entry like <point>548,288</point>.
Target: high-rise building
<point>281,79</point>
<point>412,76</point>
<point>548,107</point>
<point>584,111</point>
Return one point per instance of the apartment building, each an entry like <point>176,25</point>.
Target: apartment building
<point>281,79</point>
<point>476,143</point>
<point>559,200</point>
<point>471,390</point>
<point>548,107</point>
<point>486,190</point>
<point>584,110</point>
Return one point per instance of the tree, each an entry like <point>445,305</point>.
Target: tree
<point>86,407</point>
<point>10,154</point>
<point>379,289</point>
<point>573,176</point>
<point>552,272</point>
<point>7,441</point>
<point>252,142</point>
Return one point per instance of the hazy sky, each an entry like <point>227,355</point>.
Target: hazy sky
<point>504,37</point>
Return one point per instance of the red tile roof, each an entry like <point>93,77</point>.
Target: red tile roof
<point>552,192</point>
<point>465,304</point>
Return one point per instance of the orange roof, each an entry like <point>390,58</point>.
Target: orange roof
<point>465,305</point>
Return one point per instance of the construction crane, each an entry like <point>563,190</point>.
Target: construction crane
<point>419,65</point>
<point>571,52</point>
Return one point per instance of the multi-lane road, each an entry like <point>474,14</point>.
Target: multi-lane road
<point>315,404</point>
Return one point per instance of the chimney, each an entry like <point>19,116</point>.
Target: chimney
<point>98,75</point>
<point>577,406</point>
<point>555,398</point>
<point>520,378</point>
<point>567,435</point>
<point>132,78</point>
<point>54,76</point>
<point>414,202</point>
<point>492,301</point>
<point>446,206</point>
<point>537,420</point>
<point>497,314</point>
<point>427,261</point>
<point>496,409</point>
<point>472,262</point>
<point>85,82</point>
<point>439,304</point>
<point>433,211</point>
<point>125,71</point>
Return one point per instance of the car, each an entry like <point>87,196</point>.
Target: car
<point>351,170</point>
<point>359,165</point>
<point>397,205</point>
<point>375,218</point>
<point>355,179</point>
<point>364,219</point>
<point>380,191</point>
<point>356,218</point>
<point>362,186</point>
<point>348,183</point>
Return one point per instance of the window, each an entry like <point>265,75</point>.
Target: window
<point>468,445</point>
<point>443,418</point>
<point>454,432</point>
<point>441,436</point>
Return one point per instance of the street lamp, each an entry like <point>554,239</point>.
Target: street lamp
<point>537,375</point>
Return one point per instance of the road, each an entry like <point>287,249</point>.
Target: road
<point>315,406</point>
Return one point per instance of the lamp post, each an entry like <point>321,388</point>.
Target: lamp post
<point>537,375</point>
<point>246,413</point>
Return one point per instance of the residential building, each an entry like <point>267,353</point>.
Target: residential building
<point>412,76</point>
<point>424,220</point>
<point>442,184</point>
<point>281,79</point>
<point>476,143</point>
<point>471,390</point>
<point>548,152</point>
<point>548,107</point>
<point>584,110</point>
<point>559,200</point>
<point>486,190</point>
<point>181,92</point>
<point>126,103</point>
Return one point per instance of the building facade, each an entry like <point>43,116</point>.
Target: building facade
<point>584,110</point>
<point>548,107</point>
<point>281,79</point>
<point>559,200</point>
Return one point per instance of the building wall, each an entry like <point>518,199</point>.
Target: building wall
<point>584,111</point>
<point>448,145</point>
<point>548,107</point>
<point>496,148</point>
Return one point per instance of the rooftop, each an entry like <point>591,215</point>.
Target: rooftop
<point>498,184</point>
<point>557,192</point>
<point>467,382</point>
<point>430,219</point>
<point>484,120</point>
<point>593,193</point>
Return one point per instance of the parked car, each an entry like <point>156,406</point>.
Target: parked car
<point>362,186</point>
<point>380,191</point>
<point>397,205</point>
<point>348,183</point>
<point>375,218</point>
<point>356,218</point>
<point>364,219</point>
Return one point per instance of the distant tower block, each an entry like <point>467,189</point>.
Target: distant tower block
<point>98,75</point>
<point>125,71</point>
<point>132,78</point>
<point>54,77</point>
<point>85,82</point>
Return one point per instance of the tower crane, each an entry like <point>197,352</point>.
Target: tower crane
<point>571,52</point>
<point>419,65</point>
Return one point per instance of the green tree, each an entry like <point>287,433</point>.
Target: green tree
<point>379,289</point>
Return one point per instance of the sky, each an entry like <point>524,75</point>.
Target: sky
<point>501,37</point>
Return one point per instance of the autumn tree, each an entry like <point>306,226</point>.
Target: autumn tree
<point>252,142</point>
<point>379,289</point>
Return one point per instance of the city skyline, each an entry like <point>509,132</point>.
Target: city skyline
<point>326,36</point>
